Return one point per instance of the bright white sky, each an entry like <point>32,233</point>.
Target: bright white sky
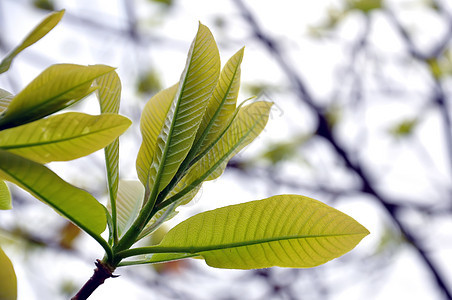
<point>285,20</point>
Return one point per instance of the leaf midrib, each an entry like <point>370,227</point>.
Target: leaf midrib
<point>214,247</point>
<point>38,144</point>
<point>35,108</point>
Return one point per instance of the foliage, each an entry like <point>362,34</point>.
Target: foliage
<point>190,131</point>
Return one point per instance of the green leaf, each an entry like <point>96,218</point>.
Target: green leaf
<point>5,99</point>
<point>157,258</point>
<point>73,203</point>
<point>57,87</point>
<point>63,137</point>
<point>286,231</point>
<point>168,212</point>
<point>151,123</point>
<point>128,203</point>
<point>5,197</point>
<point>109,95</point>
<point>222,104</point>
<point>197,82</point>
<point>38,32</point>
<point>366,6</point>
<point>109,92</point>
<point>8,280</point>
<point>246,126</point>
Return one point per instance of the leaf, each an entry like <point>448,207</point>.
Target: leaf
<point>63,137</point>
<point>109,92</point>
<point>185,114</point>
<point>128,203</point>
<point>151,123</point>
<point>168,212</point>
<point>286,231</point>
<point>5,197</point>
<point>246,126</point>
<point>38,32</point>
<point>55,88</point>
<point>222,104</point>
<point>73,203</point>
<point>157,258</point>
<point>8,280</point>
<point>109,95</point>
<point>5,99</point>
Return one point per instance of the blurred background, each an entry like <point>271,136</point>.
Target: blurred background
<point>361,121</point>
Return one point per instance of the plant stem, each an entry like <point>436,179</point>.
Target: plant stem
<point>101,272</point>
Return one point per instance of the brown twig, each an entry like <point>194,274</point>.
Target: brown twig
<point>101,273</point>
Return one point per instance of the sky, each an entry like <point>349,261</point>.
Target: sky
<point>167,37</point>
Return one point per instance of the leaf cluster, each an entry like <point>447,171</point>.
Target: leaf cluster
<point>189,133</point>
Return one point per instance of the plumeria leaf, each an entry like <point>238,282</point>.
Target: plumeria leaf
<point>75,204</point>
<point>55,88</point>
<point>182,120</point>
<point>63,137</point>
<point>286,231</point>
<point>5,196</point>
<point>246,126</point>
<point>128,203</point>
<point>8,280</point>
<point>38,32</point>
<point>5,99</point>
<point>152,120</point>
<point>222,104</point>
<point>109,95</point>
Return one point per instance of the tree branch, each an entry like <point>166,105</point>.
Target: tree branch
<point>324,130</point>
<point>101,273</point>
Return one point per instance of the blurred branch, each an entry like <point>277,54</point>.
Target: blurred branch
<point>439,97</point>
<point>324,131</point>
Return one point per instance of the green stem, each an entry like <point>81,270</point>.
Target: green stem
<point>113,196</point>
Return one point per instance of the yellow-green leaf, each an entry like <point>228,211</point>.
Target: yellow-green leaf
<point>109,95</point>
<point>197,82</point>
<point>38,32</point>
<point>151,123</point>
<point>63,137</point>
<point>109,92</point>
<point>5,197</point>
<point>54,89</point>
<point>8,280</point>
<point>222,104</point>
<point>169,212</point>
<point>5,99</point>
<point>286,231</point>
<point>75,204</point>
<point>128,203</point>
<point>246,126</point>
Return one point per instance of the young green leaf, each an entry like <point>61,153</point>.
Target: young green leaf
<point>151,124</point>
<point>5,99</point>
<point>168,212</point>
<point>286,231</point>
<point>197,82</point>
<point>109,92</point>
<point>157,258</point>
<point>63,137</point>
<point>75,204</point>
<point>222,104</point>
<point>128,203</point>
<point>109,95</point>
<point>38,32</point>
<point>54,89</point>
<point>5,197</point>
<point>246,126</point>
<point>8,280</point>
